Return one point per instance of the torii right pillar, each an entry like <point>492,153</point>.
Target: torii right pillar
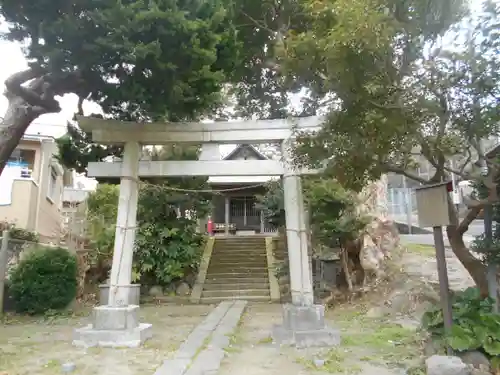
<point>303,321</point>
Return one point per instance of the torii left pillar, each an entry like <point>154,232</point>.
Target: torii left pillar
<point>117,324</point>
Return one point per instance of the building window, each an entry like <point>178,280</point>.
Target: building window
<point>23,159</point>
<point>52,190</point>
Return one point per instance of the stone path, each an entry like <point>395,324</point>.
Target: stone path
<point>426,269</point>
<point>203,350</point>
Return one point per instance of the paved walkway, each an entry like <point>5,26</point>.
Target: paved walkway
<point>203,350</point>
<point>428,239</point>
<point>426,270</point>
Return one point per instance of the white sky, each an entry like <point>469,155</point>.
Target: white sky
<point>55,124</point>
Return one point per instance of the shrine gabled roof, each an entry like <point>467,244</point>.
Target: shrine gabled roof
<point>241,147</point>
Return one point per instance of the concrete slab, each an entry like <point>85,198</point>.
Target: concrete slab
<point>113,326</point>
<point>123,338</point>
<point>183,357</point>
<point>208,361</point>
<point>304,327</point>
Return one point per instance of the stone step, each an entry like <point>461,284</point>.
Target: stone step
<point>240,245</point>
<point>242,265</point>
<point>256,252</point>
<point>240,239</point>
<point>238,272</point>
<point>236,256</point>
<point>235,293</point>
<point>239,253</point>
<point>243,249</point>
<point>238,285</point>
<point>243,277</point>
<point>211,300</point>
<point>236,280</point>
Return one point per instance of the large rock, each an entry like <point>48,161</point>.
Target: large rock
<point>183,290</point>
<point>476,359</point>
<point>446,365</point>
<point>155,291</point>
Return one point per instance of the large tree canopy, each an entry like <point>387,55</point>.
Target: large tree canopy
<point>163,59</point>
<point>402,92</point>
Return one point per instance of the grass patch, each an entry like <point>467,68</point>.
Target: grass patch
<point>265,340</point>
<point>235,338</point>
<point>375,340</point>
<point>424,250</point>
<point>335,361</point>
<point>387,344</point>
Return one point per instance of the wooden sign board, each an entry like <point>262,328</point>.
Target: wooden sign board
<point>432,205</point>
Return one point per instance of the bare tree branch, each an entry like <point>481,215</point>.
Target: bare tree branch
<point>470,216</point>
<point>402,171</point>
<point>14,85</point>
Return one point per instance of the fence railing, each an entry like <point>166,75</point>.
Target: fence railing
<point>402,206</point>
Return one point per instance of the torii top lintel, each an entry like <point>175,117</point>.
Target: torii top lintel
<point>252,131</point>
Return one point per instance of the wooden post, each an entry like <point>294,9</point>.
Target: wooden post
<point>226,214</point>
<point>444,287</point>
<point>3,266</point>
<point>262,226</point>
<point>491,269</point>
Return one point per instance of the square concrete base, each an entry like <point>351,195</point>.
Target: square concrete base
<point>304,326</point>
<point>113,327</point>
<point>134,294</point>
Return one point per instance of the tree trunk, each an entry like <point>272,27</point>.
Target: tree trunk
<point>15,122</point>
<point>475,267</point>
<point>31,93</point>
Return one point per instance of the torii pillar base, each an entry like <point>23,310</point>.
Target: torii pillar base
<point>304,327</point>
<point>113,327</point>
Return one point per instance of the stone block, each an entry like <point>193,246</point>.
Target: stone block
<point>446,365</point>
<point>303,318</point>
<point>173,367</point>
<point>115,318</point>
<point>134,296</point>
<point>125,338</point>
<point>303,327</point>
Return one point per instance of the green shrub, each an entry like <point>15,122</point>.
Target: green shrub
<point>475,325</point>
<point>19,233</point>
<point>45,280</point>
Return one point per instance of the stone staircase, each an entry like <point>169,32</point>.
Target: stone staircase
<point>237,270</point>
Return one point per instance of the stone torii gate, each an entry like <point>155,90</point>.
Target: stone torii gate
<point>116,324</point>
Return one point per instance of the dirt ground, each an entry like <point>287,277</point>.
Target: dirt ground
<point>369,347</point>
<point>378,329</point>
<point>29,346</point>
<point>378,334</point>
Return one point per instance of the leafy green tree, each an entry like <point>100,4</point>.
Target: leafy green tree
<point>161,59</point>
<point>332,210</point>
<point>400,94</point>
<point>167,247</point>
<point>272,204</point>
<point>76,150</point>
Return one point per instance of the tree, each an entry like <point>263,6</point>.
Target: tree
<point>399,94</point>
<point>167,246</point>
<point>335,221</point>
<point>161,59</point>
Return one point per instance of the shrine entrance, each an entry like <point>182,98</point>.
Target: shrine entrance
<point>303,320</point>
